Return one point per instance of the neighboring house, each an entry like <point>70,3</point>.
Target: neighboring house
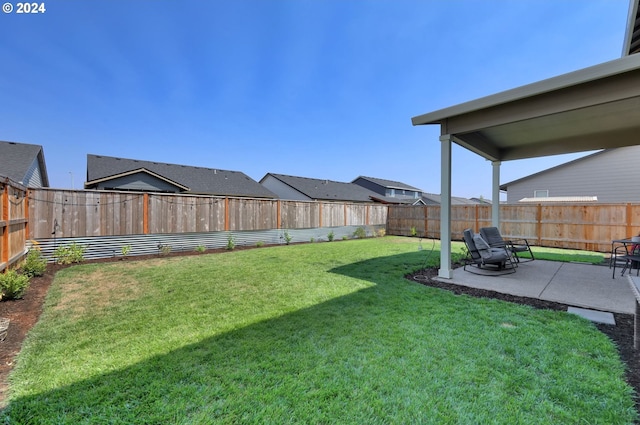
<point>390,191</point>
<point>307,189</point>
<point>110,173</point>
<point>23,163</point>
<point>608,176</point>
<point>436,199</point>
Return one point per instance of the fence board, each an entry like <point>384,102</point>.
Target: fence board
<point>589,227</point>
<point>13,223</point>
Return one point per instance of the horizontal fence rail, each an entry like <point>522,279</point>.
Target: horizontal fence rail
<point>589,227</point>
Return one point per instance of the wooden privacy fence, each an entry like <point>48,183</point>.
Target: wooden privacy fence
<point>13,222</point>
<point>589,227</point>
<point>82,213</point>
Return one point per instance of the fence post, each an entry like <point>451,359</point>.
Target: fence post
<point>319,214</point>
<point>539,224</point>
<point>278,214</point>
<point>345,214</point>
<point>145,213</point>
<point>226,213</point>
<point>26,214</point>
<point>5,231</point>
<point>477,221</point>
<point>425,217</point>
<point>630,231</point>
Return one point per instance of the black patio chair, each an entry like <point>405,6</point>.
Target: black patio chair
<point>495,240</point>
<point>482,256</point>
<point>628,257</point>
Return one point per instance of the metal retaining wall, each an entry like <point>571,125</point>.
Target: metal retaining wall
<point>112,246</point>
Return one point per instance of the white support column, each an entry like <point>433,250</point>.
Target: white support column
<point>495,195</point>
<point>445,207</point>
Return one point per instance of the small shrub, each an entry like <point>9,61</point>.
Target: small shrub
<point>312,240</point>
<point>381,232</point>
<point>360,233</point>
<point>165,249</point>
<point>414,231</point>
<point>231,242</point>
<point>125,250</point>
<point>68,254</point>
<point>13,285</point>
<point>259,244</point>
<point>35,264</point>
<point>345,237</point>
<point>330,236</point>
<point>287,237</point>
<point>201,249</point>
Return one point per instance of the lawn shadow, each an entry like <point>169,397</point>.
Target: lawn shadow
<point>361,358</point>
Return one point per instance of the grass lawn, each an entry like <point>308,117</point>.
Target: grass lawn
<point>309,334</point>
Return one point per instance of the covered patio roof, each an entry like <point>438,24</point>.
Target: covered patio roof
<point>592,108</point>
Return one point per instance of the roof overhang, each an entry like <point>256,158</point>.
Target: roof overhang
<point>631,42</point>
<point>593,108</point>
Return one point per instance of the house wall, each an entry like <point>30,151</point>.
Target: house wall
<point>140,182</point>
<point>381,190</point>
<point>33,177</point>
<point>612,176</point>
<point>370,185</point>
<point>282,190</point>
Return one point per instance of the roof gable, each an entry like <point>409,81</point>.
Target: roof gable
<point>142,171</point>
<point>199,180</point>
<point>327,190</point>
<point>17,159</point>
<point>389,184</point>
<point>557,167</point>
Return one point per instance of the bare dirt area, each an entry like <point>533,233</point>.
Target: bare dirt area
<point>24,313</point>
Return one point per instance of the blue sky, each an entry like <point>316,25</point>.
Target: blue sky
<point>316,88</point>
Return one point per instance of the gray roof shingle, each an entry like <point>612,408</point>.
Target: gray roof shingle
<point>199,180</point>
<point>16,160</point>
<point>390,184</point>
<point>327,190</point>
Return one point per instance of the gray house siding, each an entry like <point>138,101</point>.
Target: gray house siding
<point>33,176</point>
<point>611,175</point>
<point>282,190</point>
<point>389,189</point>
<point>370,185</point>
<point>140,182</point>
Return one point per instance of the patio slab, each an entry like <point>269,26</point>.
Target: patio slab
<point>575,284</point>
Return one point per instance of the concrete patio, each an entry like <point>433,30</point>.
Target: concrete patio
<point>576,284</point>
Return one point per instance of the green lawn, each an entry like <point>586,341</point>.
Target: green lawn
<point>318,333</point>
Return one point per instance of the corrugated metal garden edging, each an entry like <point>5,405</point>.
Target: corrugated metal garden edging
<point>112,246</point>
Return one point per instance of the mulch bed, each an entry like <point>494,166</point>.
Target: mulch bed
<point>24,313</point>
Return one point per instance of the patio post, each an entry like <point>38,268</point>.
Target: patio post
<point>445,207</point>
<point>495,194</point>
